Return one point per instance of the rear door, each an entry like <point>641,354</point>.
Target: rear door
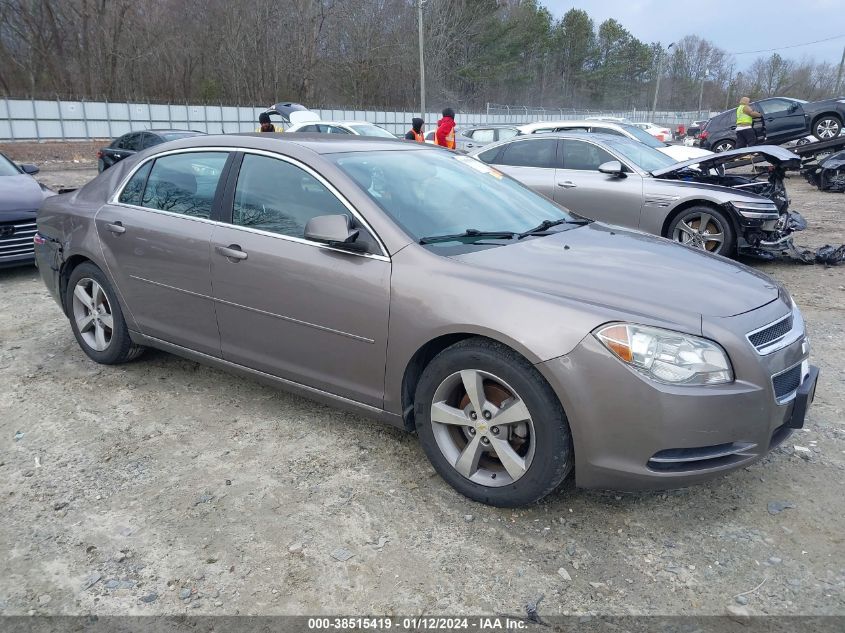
<point>156,240</point>
<point>784,119</point>
<point>290,307</point>
<point>531,161</point>
<point>581,187</point>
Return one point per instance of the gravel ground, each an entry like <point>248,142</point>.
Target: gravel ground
<point>164,487</point>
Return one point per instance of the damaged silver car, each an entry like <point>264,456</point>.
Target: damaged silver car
<point>619,181</point>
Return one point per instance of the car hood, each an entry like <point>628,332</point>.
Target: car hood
<point>770,153</point>
<point>20,193</point>
<point>629,271</point>
<point>683,152</point>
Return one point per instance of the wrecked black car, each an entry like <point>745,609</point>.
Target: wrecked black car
<point>758,232</point>
<point>829,174</point>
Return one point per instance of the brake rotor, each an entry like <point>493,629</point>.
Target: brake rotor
<point>709,245</point>
<point>498,395</point>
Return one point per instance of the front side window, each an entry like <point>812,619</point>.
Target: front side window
<point>506,133</point>
<point>184,183</point>
<point>333,129</point>
<point>309,128</point>
<point>776,106</point>
<point>531,153</point>
<point>276,196</point>
<point>371,130</point>
<point>583,156</point>
<point>645,158</point>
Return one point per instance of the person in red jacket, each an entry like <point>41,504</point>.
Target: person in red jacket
<point>445,134</point>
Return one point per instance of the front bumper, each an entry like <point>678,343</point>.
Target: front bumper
<point>632,433</point>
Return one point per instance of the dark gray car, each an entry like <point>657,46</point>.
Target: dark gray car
<point>426,289</point>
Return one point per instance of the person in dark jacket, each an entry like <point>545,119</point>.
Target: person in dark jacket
<point>416,133</point>
<point>445,135</point>
<point>264,124</point>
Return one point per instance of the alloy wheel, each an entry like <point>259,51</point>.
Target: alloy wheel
<point>723,147</point>
<point>483,428</point>
<point>700,230</point>
<point>93,315</point>
<point>828,128</point>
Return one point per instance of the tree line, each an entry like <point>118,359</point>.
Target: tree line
<point>364,54</point>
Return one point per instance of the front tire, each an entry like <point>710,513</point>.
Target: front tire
<point>491,425</point>
<point>704,228</point>
<point>827,127</point>
<point>96,317</point>
<point>723,146</point>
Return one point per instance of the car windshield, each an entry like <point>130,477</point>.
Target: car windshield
<point>7,167</point>
<point>172,136</point>
<point>431,193</point>
<point>642,136</point>
<point>372,130</point>
<point>645,158</point>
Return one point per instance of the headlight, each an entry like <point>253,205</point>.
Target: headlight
<point>755,210</point>
<point>667,356</point>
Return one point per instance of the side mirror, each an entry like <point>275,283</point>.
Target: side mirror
<point>29,169</point>
<point>612,168</point>
<point>334,230</point>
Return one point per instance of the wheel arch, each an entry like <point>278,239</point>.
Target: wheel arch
<point>425,354</point>
<point>69,265</point>
<point>830,113</point>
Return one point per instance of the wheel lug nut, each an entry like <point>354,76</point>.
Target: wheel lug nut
<point>495,430</point>
<point>471,430</point>
<point>484,440</point>
<point>487,415</point>
<point>473,415</point>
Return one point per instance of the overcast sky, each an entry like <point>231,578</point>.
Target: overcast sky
<point>731,24</point>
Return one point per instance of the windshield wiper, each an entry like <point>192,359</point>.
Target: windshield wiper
<point>469,234</point>
<point>545,225</point>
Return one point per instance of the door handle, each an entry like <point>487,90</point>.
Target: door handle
<point>232,252</point>
<point>117,228</point>
<point>567,184</point>
<point>770,119</point>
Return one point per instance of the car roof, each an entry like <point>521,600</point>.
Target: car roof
<point>164,131</point>
<point>337,123</point>
<point>573,122</point>
<point>317,143</point>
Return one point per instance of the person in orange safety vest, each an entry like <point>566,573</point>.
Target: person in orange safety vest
<point>416,132</point>
<point>445,134</point>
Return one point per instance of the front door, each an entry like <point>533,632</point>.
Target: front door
<point>784,119</point>
<point>532,162</point>
<point>294,308</point>
<point>156,240</point>
<point>582,188</point>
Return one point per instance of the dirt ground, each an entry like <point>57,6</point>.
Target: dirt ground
<point>165,487</point>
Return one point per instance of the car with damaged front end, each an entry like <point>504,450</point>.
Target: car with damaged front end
<point>620,181</point>
<point>423,288</point>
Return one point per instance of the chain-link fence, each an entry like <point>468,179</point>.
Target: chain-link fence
<point>42,119</point>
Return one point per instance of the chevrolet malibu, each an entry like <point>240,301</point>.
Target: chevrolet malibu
<point>402,281</point>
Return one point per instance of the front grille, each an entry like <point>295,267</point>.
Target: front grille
<point>19,242</point>
<point>770,334</point>
<point>786,383</point>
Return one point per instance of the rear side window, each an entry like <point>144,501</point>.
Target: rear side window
<point>276,196</point>
<point>506,133</point>
<point>532,153</point>
<point>134,189</point>
<point>484,136</point>
<point>309,128</point>
<point>184,183</point>
<point>489,156</point>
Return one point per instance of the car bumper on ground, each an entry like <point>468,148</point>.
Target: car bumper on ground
<point>633,433</point>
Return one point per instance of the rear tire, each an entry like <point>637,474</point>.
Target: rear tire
<point>705,228</point>
<point>96,317</point>
<point>723,146</point>
<point>516,449</point>
<point>827,127</point>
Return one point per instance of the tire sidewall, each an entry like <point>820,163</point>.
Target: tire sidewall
<point>728,246</point>
<point>120,341</point>
<point>552,459</point>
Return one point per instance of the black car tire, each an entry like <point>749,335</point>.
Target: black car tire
<point>552,457</point>
<point>723,145</point>
<point>828,119</point>
<point>728,246</point>
<point>120,347</point>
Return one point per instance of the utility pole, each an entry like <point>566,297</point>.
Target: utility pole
<point>659,73</point>
<point>422,58</point>
<point>701,91</point>
<point>839,75</point>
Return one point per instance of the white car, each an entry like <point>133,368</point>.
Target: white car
<point>357,128</point>
<point>657,131</point>
<point>678,152</point>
